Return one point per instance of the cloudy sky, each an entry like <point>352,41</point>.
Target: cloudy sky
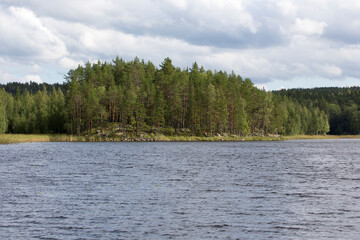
<point>276,43</point>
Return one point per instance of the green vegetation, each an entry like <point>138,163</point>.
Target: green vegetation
<point>31,87</point>
<point>135,100</point>
<point>341,105</point>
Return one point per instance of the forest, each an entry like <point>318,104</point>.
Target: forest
<point>341,105</point>
<point>143,97</point>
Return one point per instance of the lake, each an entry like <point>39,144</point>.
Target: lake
<point>303,189</point>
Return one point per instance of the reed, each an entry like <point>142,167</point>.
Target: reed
<point>18,138</point>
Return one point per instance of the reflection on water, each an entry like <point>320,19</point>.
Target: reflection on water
<point>239,190</point>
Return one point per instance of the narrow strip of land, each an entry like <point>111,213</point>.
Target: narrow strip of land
<point>20,138</point>
<point>298,137</point>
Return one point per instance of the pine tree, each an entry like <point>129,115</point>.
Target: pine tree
<point>74,101</point>
<point>42,116</point>
<point>157,114</point>
<point>3,116</point>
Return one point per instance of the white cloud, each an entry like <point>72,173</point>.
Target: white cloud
<point>349,5</point>
<point>225,15</point>
<point>350,53</point>
<point>287,7</point>
<point>309,27</point>
<point>69,63</point>
<point>298,39</point>
<point>331,70</point>
<point>7,77</point>
<point>111,43</point>
<point>33,78</point>
<point>24,36</point>
<point>180,4</point>
<point>36,68</point>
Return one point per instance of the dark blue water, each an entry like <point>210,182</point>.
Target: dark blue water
<point>239,190</point>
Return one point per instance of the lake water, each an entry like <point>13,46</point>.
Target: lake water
<point>199,190</point>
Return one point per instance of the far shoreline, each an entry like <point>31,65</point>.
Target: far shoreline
<point>320,137</point>
<point>22,138</point>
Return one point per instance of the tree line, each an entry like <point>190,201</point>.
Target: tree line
<point>341,105</point>
<point>31,87</point>
<point>138,94</point>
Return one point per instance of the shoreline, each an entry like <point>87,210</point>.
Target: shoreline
<point>320,137</point>
<point>22,138</point>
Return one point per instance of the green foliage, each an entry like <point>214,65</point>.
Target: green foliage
<point>31,87</point>
<point>35,113</point>
<point>3,116</point>
<point>338,109</point>
<point>139,95</point>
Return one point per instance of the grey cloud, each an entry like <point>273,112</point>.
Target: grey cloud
<point>237,39</point>
<point>23,35</point>
<point>255,38</point>
<point>341,16</point>
<point>343,32</point>
<point>161,19</point>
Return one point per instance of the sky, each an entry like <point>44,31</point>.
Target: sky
<point>276,43</point>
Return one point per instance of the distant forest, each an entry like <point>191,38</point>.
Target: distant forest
<point>31,87</point>
<point>202,102</point>
<point>341,105</point>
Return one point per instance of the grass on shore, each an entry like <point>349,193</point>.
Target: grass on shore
<point>221,138</point>
<point>19,138</point>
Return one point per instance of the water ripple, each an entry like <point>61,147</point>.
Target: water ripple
<point>246,190</point>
